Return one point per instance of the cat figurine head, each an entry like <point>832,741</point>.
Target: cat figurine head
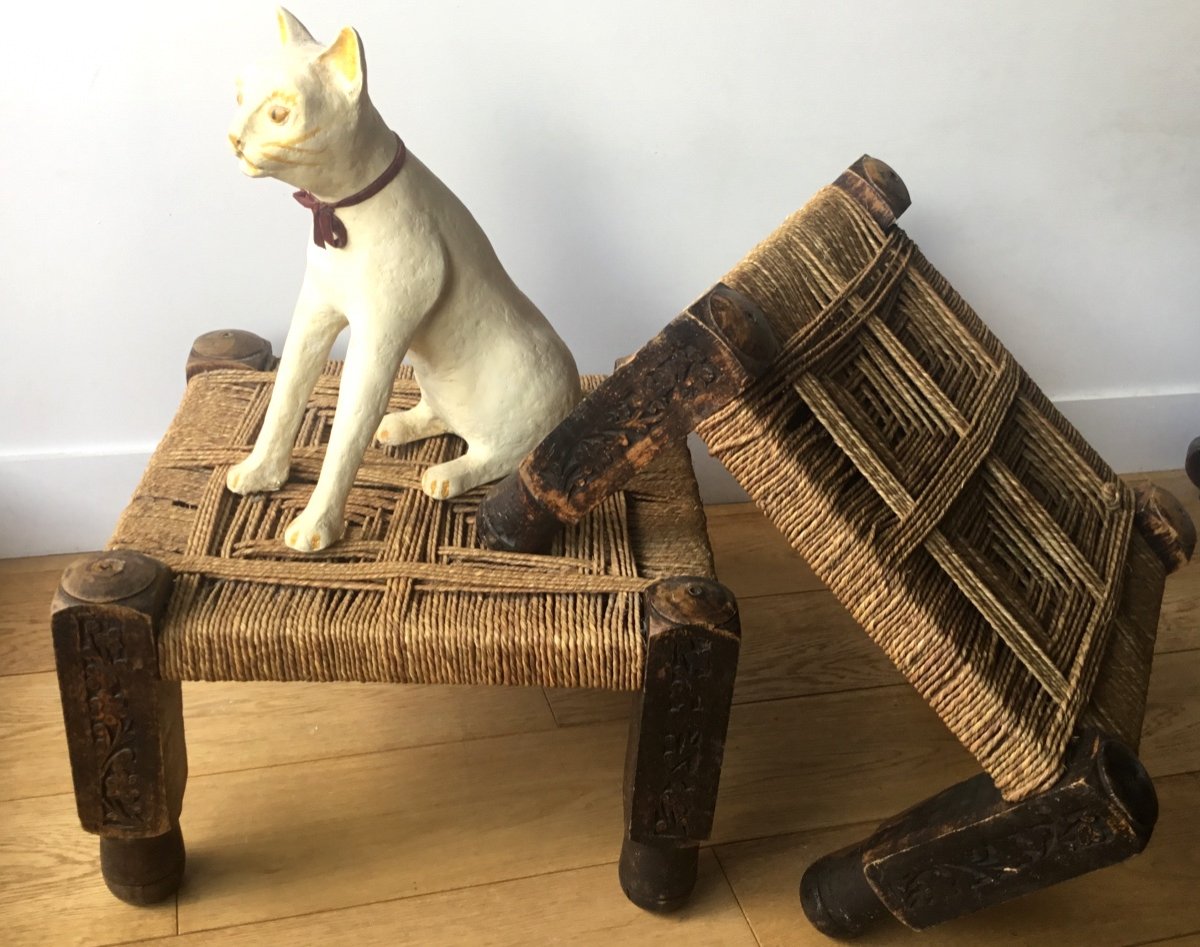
<point>303,113</point>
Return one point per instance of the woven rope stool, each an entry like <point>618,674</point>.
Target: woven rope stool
<point>970,530</point>
<point>198,585</point>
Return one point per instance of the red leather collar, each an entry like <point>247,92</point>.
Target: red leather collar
<point>328,230</point>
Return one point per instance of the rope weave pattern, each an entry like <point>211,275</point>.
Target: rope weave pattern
<point>901,449</point>
<point>407,595</point>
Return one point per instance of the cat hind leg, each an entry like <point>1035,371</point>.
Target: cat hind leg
<point>455,477</point>
<point>404,427</point>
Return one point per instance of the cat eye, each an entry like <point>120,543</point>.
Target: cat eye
<point>239,98</point>
<point>279,114</point>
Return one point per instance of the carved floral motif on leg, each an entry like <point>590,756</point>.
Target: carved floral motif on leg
<point>690,671</point>
<point>1023,851</point>
<point>114,736</point>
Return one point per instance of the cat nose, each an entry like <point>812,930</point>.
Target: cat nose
<point>236,142</point>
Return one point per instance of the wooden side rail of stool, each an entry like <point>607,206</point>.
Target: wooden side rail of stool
<point>966,848</point>
<point>697,364</point>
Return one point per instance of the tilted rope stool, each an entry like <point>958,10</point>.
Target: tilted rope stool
<point>971,531</point>
<point>198,585</point>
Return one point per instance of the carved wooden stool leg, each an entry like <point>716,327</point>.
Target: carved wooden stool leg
<point>966,848</point>
<point>677,738</point>
<point>124,724</point>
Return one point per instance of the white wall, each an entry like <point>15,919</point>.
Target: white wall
<point>621,155</point>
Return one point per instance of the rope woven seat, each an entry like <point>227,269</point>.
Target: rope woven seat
<point>407,596</point>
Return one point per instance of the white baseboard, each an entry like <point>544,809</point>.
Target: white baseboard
<point>69,502</point>
<point>65,502</point>
<point>1138,433</point>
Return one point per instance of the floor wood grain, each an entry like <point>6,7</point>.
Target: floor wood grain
<point>360,815</point>
<point>578,906</point>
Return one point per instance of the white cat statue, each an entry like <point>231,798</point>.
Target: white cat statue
<point>397,258</point>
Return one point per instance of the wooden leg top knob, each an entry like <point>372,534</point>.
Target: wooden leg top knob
<point>109,576</point>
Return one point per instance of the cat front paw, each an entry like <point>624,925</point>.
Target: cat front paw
<point>440,488</point>
<point>256,476</point>
<point>314,530</point>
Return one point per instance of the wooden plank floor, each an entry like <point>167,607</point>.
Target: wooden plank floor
<point>353,814</point>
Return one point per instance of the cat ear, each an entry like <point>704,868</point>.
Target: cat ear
<point>345,59</point>
<point>291,30</point>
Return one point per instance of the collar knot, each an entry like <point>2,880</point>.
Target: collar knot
<point>328,230</point>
